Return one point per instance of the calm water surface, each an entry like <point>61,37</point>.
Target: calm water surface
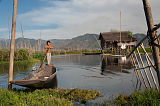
<point>85,72</point>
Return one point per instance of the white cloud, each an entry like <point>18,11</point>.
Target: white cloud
<point>4,33</point>
<point>3,29</point>
<point>76,17</point>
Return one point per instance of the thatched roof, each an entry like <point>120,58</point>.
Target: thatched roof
<point>115,36</point>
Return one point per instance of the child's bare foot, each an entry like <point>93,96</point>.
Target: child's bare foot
<point>50,65</point>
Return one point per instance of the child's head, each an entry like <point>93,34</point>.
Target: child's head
<point>48,42</point>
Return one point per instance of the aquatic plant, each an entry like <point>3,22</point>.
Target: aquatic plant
<point>78,94</point>
<point>48,97</point>
<point>141,98</point>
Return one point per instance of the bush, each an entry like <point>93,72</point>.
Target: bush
<point>4,55</point>
<point>38,55</point>
<point>22,54</point>
<point>19,54</point>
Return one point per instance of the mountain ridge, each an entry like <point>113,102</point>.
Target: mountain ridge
<point>86,41</point>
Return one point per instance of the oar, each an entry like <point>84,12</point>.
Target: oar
<point>43,61</point>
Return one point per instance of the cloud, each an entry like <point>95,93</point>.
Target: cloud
<point>76,17</point>
<point>4,33</point>
<point>3,30</point>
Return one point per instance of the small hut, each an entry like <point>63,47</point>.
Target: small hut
<point>114,40</point>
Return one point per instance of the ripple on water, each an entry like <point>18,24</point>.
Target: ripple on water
<point>87,72</point>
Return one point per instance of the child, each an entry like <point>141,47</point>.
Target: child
<point>48,48</point>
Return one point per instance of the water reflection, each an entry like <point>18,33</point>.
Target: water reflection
<point>84,72</point>
<point>4,69</point>
<point>114,64</point>
<point>19,72</point>
<point>83,60</point>
<point>53,83</point>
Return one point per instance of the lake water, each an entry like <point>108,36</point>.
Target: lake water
<point>111,76</point>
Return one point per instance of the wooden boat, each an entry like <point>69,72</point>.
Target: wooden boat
<point>92,53</point>
<point>40,78</point>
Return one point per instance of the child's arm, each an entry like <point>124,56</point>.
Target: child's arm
<point>46,48</point>
<point>50,46</point>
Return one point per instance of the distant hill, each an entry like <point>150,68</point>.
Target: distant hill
<point>86,41</point>
<point>139,37</point>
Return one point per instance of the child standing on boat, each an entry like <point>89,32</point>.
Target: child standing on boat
<point>48,48</point>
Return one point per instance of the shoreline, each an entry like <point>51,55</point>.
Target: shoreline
<point>33,60</point>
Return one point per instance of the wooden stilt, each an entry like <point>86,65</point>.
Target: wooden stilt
<point>9,28</point>
<point>140,70</point>
<point>150,68</point>
<point>144,68</point>
<point>136,69</point>
<point>148,57</point>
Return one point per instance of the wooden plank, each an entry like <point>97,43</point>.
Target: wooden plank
<point>140,69</point>
<point>136,69</point>
<point>144,68</point>
<point>137,46</point>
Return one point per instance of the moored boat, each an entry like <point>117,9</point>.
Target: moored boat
<point>92,53</point>
<point>40,78</point>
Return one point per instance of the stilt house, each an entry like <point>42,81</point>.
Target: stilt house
<point>114,40</point>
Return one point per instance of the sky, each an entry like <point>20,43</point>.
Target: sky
<point>65,19</point>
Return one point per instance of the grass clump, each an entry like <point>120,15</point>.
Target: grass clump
<point>140,98</point>
<point>79,95</point>
<point>47,97</point>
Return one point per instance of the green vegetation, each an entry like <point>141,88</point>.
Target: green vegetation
<point>67,52</point>
<point>24,62</point>
<point>130,33</point>
<point>26,55</point>
<point>148,97</point>
<point>22,56</point>
<point>4,55</point>
<point>41,55</point>
<point>148,50</point>
<point>75,52</point>
<point>38,55</point>
<point>48,97</point>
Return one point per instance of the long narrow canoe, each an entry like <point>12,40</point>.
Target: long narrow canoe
<point>41,78</point>
<point>92,53</point>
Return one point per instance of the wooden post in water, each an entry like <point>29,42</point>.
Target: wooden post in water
<point>10,77</point>
<point>120,32</point>
<point>9,27</point>
<point>152,35</point>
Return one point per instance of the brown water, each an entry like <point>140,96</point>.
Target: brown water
<point>111,76</point>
